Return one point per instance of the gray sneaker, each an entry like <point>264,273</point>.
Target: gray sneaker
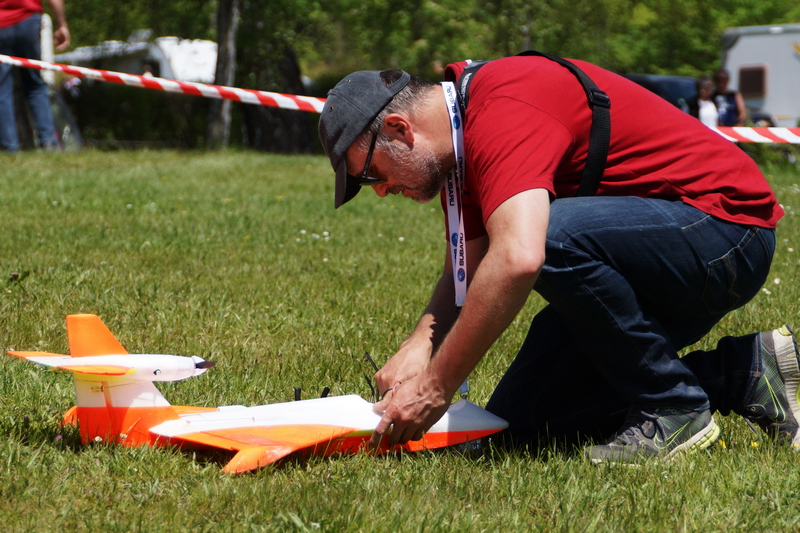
<point>657,432</point>
<point>773,404</point>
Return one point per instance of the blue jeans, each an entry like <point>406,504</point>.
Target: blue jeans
<point>22,40</point>
<point>630,282</point>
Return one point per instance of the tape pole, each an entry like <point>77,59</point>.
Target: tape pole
<point>309,104</point>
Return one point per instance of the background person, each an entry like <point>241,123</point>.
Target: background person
<point>20,24</point>
<point>730,103</point>
<point>680,233</point>
<point>702,106</point>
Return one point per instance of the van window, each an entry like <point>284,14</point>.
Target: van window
<point>751,82</point>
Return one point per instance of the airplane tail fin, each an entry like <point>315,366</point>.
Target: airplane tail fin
<point>115,403</point>
<point>88,336</point>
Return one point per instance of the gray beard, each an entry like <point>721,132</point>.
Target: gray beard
<point>420,164</point>
<point>434,184</point>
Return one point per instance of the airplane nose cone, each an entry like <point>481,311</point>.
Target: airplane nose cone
<point>201,365</point>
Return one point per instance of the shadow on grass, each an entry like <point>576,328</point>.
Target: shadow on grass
<point>541,450</point>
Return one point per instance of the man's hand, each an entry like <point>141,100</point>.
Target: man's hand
<point>410,409</point>
<point>407,363</point>
<point>61,37</point>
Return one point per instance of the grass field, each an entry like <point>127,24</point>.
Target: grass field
<point>240,258</point>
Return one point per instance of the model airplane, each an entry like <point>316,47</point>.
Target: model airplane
<point>117,402</point>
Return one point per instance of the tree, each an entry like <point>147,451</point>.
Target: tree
<point>219,113</point>
<point>267,61</point>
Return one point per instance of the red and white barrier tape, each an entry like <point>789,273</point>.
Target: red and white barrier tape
<point>760,135</point>
<point>247,96</point>
<point>310,103</point>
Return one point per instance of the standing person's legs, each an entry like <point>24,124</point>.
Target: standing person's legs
<point>35,88</point>
<point>8,123</point>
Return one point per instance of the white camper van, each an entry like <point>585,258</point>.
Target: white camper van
<point>764,65</point>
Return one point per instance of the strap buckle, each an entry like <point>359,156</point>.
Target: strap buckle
<point>599,98</point>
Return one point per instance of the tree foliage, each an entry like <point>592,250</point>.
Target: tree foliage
<point>648,36</point>
<point>279,40</point>
<point>337,36</point>
<point>94,21</point>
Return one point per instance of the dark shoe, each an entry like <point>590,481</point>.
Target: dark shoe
<point>773,404</point>
<point>657,433</point>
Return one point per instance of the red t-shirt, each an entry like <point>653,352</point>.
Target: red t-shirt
<point>15,11</point>
<point>527,126</point>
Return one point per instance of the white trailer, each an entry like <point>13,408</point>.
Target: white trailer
<point>764,65</point>
<point>165,57</point>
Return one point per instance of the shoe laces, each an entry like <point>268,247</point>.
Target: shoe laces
<point>638,424</point>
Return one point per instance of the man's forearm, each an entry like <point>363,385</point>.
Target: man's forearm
<point>414,354</point>
<point>493,300</point>
<point>500,286</point>
<point>59,14</point>
<point>438,317</point>
<point>441,312</point>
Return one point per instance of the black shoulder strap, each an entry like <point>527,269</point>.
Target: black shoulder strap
<point>464,81</point>
<point>600,133</point>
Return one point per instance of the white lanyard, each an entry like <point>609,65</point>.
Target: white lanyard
<point>454,186</point>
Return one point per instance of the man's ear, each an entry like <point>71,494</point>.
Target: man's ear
<point>399,128</point>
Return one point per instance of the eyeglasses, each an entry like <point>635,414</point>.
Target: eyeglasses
<point>364,180</point>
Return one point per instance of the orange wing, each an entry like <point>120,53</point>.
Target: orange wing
<point>98,370</point>
<point>24,355</point>
<point>260,446</point>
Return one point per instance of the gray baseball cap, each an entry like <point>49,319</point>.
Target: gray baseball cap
<point>350,108</point>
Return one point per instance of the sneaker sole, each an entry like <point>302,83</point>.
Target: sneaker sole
<point>786,355</point>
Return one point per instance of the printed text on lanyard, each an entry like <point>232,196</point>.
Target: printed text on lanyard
<point>454,185</point>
